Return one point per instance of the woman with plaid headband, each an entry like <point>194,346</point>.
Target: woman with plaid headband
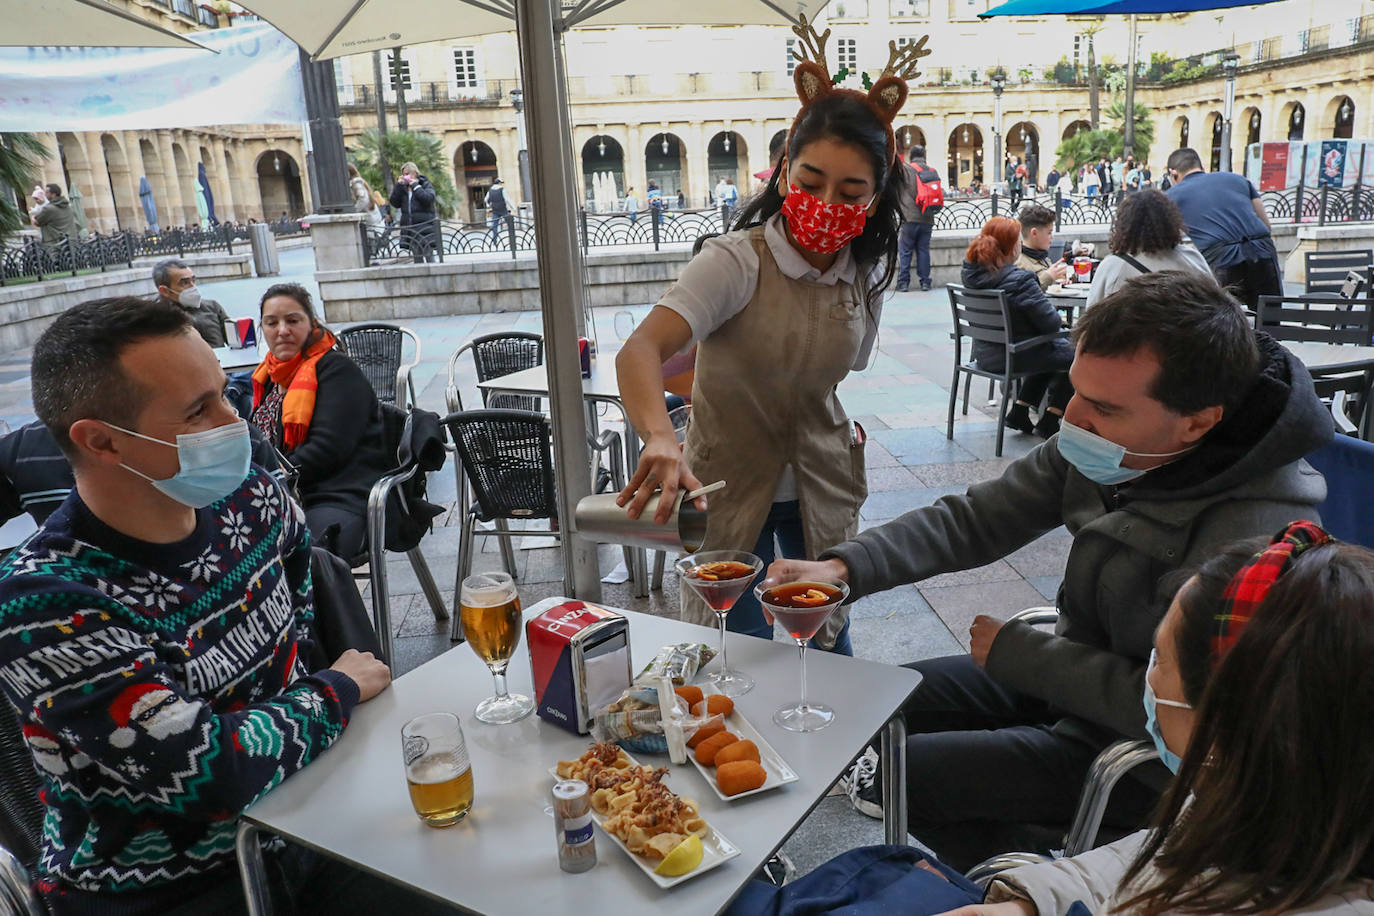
<point>1260,695</point>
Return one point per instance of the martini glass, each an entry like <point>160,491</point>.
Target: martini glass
<point>719,577</point>
<point>803,608</point>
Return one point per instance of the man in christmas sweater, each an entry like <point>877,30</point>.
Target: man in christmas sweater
<point>152,632</point>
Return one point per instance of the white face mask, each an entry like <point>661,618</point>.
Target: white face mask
<point>189,297</point>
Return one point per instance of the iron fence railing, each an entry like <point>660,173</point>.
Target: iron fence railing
<point>428,95</point>
<point>33,260</point>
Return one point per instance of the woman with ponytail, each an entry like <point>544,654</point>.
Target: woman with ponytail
<point>989,263</point>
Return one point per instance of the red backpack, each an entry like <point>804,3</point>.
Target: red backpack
<point>930,194</point>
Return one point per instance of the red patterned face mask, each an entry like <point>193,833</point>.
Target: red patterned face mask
<point>821,227</point>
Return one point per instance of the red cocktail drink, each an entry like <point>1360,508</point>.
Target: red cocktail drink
<point>719,577</point>
<point>803,608</point>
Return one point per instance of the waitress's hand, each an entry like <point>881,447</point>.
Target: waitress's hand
<point>660,465</point>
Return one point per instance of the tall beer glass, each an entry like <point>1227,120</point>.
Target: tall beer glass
<point>438,771</point>
<point>490,611</point>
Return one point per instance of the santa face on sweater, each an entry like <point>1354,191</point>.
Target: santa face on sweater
<point>153,708</point>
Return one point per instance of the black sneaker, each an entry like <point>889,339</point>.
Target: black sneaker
<point>903,287</point>
<point>925,286</point>
<point>778,870</point>
<point>862,785</point>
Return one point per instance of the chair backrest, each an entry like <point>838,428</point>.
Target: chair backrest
<point>21,813</point>
<point>1326,270</point>
<point>508,458</point>
<point>1348,465</point>
<point>501,354</point>
<point>379,350</point>
<point>979,314</point>
<point>1316,319</point>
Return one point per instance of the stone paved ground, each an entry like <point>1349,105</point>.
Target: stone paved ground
<point>901,400</point>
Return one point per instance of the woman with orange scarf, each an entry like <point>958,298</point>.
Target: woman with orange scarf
<point>318,409</point>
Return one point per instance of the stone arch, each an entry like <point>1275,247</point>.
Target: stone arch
<point>121,190</point>
<point>184,174</point>
<point>665,164</point>
<point>1076,126</point>
<point>1250,125</point>
<point>1292,120</point>
<point>909,135</point>
<point>1339,118</point>
<point>76,171</point>
<point>1182,129</point>
<point>157,180</point>
<point>603,155</point>
<point>475,167</point>
<point>727,156</point>
<point>1214,123</point>
<point>279,185</point>
<point>1023,142</point>
<point>965,165</point>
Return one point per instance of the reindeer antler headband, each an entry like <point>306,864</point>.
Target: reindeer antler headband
<point>884,97</point>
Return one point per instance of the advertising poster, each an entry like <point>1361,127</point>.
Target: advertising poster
<point>1273,175</point>
<point>1332,164</point>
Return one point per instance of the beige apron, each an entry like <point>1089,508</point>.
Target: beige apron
<point>764,397</point>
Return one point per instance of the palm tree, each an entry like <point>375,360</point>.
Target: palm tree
<point>398,147</point>
<point>20,158</point>
<point>1091,31</point>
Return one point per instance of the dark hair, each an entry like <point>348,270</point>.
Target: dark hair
<point>1205,346</point>
<point>775,147</point>
<point>1184,160</point>
<point>1034,216</point>
<point>1277,768</point>
<point>993,245</point>
<point>916,152</point>
<point>1146,221</point>
<point>53,189</point>
<point>162,270</point>
<point>842,117</point>
<point>75,373</point>
<point>701,240</point>
<point>301,296</point>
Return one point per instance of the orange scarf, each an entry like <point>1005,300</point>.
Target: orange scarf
<point>297,376</point>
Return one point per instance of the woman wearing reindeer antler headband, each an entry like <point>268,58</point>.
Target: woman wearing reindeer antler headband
<point>780,308</point>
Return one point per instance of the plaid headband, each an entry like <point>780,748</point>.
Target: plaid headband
<point>1249,586</point>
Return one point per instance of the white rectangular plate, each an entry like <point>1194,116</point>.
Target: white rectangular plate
<point>715,848</point>
<point>779,773</point>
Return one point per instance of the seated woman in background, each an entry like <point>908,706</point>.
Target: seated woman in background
<point>321,413</point>
<point>989,264</point>
<point>1259,696</point>
<point>1146,237</point>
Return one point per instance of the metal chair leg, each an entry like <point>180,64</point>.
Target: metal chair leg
<point>507,548</point>
<point>953,397</point>
<point>464,565</point>
<point>1116,761</point>
<point>968,385</point>
<point>427,583</point>
<point>1002,414</point>
<point>252,872</point>
<point>660,560</point>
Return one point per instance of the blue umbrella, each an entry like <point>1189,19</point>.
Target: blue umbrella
<point>209,198</point>
<point>145,196</point>
<point>1100,7</point>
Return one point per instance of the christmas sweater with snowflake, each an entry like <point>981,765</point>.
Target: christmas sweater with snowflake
<point>160,686</point>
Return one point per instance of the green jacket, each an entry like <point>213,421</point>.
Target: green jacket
<point>56,221</point>
<point>1247,479</point>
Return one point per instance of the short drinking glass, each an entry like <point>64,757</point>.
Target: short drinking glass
<point>438,772</point>
<point>490,611</point>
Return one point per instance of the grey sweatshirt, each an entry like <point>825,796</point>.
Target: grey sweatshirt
<point>1246,479</point>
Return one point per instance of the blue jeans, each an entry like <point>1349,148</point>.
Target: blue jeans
<point>914,237</point>
<point>495,221</point>
<point>783,524</point>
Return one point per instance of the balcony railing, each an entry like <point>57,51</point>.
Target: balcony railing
<point>207,17</point>
<point>428,95</point>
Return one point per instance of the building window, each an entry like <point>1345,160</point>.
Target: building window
<point>848,58</point>
<point>404,82</point>
<point>1304,38</point>
<point>465,68</point>
<point>791,61</point>
<point>1345,33</point>
<point>849,9</point>
<point>900,9</point>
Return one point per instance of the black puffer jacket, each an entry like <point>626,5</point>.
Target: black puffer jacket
<point>415,202</point>
<point>1032,314</point>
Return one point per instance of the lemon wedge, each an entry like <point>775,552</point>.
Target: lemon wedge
<point>684,857</point>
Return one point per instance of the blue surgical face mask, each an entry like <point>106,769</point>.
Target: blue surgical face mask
<point>1171,760</point>
<point>213,463</point>
<point>1099,459</point>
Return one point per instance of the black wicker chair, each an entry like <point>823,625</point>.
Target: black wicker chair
<point>379,350</point>
<point>21,817</point>
<point>495,355</point>
<point>507,459</point>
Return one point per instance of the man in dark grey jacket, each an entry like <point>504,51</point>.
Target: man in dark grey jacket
<point>1186,431</point>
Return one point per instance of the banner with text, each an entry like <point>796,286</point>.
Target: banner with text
<point>254,79</point>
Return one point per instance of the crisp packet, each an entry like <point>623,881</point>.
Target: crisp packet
<point>679,663</point>
<point>636,721</point>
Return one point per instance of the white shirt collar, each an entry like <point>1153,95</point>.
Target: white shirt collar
<point>794,266</point>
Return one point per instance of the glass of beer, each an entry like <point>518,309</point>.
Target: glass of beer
<point>490,611</point>
<point>438,772</point>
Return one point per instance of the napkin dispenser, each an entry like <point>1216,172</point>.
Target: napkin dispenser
<point>580,660</point>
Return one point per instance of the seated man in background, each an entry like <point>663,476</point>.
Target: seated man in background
<point>176,285</point>
<point>1037,234</point>
<point>1186,431</point>
<point>152,633</point>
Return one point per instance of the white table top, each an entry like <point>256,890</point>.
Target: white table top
<point>1320,357</point>
<point>1077,291</point>
<point>602,384</point>
<point>502,859</point>
<point>246,358</point>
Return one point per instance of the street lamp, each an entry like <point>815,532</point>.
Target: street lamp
<point>1230,63</point>
<point>517,100</point>
<point>999,82</point>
